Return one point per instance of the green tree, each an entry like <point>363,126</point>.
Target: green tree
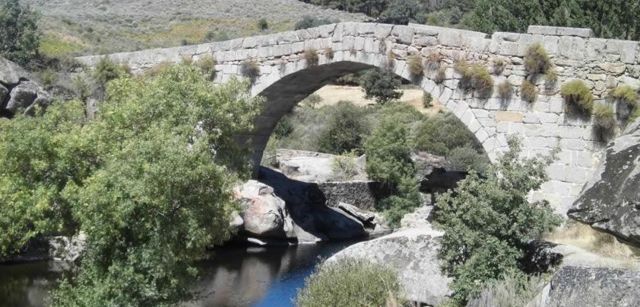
<point>489,221</point>
<point>399,12</point>
<point>381,85</point>
<point>441,133</point>
<point>19,37</point>
<point>345,130</point>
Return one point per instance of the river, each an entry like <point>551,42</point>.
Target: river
<point>235,276</point>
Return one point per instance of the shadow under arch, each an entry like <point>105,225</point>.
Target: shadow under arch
<point>287,91</point>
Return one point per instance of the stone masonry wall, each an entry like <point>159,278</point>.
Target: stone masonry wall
<point>541,126</point>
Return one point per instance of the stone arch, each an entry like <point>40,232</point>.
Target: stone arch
<point>299,81</point>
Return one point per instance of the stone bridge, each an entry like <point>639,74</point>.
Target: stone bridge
<point>285,78</point>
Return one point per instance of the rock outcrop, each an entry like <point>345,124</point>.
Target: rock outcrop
<point>413,253</point>
<point>579,286</point>
<point>280,211</point>
<point>17,91</point>
<point>610,201</point>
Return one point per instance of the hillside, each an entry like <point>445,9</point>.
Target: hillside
<point>80,27</point>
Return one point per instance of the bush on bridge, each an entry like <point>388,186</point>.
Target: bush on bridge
<point>476,78</point>
<point>604,120</point>
<point>528,91</point>
<point>488,222</point>
<point>415,65</point>
<point>536,60</point>
<point>250,69</point>
<point>578,97</point>
<point>311,57</point>
<point>626,99</point>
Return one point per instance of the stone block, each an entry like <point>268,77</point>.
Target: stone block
<point>560,31</point>
<point>506,116</point>
<point>404,34</point>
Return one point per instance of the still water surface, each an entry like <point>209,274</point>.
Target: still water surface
<point>236,276</point>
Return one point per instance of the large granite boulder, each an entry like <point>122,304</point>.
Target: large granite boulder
<point>413,253</point>
<point>610,201</point>
<point>17,92</point>
<point>263,213</point>
<point>583,286</point>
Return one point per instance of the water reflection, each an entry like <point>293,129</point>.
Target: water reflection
<point>236,276</point>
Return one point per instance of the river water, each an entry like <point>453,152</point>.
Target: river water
<point>235,276</point>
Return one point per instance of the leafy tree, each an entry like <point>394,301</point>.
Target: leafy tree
<point>19,38</point>
<point>148,181</point>
<point>399,12</point>
<point>311,22</point>
<point>441,133</point>
<point>345,130</point>
<point>489,221</point>
<point>381,85</point>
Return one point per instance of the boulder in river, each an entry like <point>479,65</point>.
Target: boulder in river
<point>413,254</point>
<point>610,201</point>
<point>263,213</point>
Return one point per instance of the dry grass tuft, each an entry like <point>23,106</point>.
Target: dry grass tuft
<point>585,237</point>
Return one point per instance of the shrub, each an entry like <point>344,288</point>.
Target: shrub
<point>19,35</point>
<point>577,96</point>
<point>512,289</point>
<point>536,60</point>
<point>345,129</point>
<point>441,75</point>
<point>505,90</point>
<point>207,65</point>
<point>415,65</point>
<point>312,101</point>
<point>604,120</point>
<point>626,99</point>
<point>488,222</point>
<point>48,78</point>
<point>434,60</point>
<point>476,78</point>
<point>263,24</point>
<point>528,91</point>
<point>361,283</point>
<point>388,153</point>
<point>250,69</point>
<point>550,78</point>
<point>405,199</point>
<point>344,167</point>
<point>311,22</point>
<point>381,85</point>
<point>328,52</point>
<point>498,66</point>
<point>81,87</point>
<point>311,57</point>
<point>441,133</point>
<point>427,100</point>
<point>106,70</point>
<point>467,158</point>
<point>283,128</point>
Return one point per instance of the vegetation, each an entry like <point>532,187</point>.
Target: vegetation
<point>140,157</point>
<point>19,36</point>
<point>513,290</point>
<point>441,75</point>
<point>528,91</point>
<point>362,283</point>
<point>625,94</point>
<point>250,69</point>
<point>427,100</point>
<point>345,131</point>
<point>550,78</point>
<point>381,85</point>
<point>107,70</point>
<point>578,97</point>
<point>489,221</point>
<point>263,25</point>
<point>536,60</point>
<point>344,167</point>
<point>498,66</point>
<point>505,90</point>
<point>311,57</point>
<point>434,61</point>
<point>415,65</point>
<point>475,78</point>
<point>311,22</point>
<point>207,65</point>
<point>328,52</point>
<point>604,120</point>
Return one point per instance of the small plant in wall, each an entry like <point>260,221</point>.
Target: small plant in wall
<point>536,60</point>
<point>440,76</point>
<point>528,91</point>
<point>550,79</point>
<point>328,52</point>
<point>505,90</point>
<point>604,121</point>
<point>250,69</point>
<point>578,97</point>
<point>415,65</point>
<point>475,78</point>
<point>311,57</point>
<point>498,66</point>
<point>626,100</point>
<point>434,60</point>
<point>207,65</point>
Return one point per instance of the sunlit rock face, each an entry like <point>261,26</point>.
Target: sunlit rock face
<point>17,91</point>
<point>610,201</point>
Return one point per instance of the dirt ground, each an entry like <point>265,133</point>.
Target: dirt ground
<point>331,94</point>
